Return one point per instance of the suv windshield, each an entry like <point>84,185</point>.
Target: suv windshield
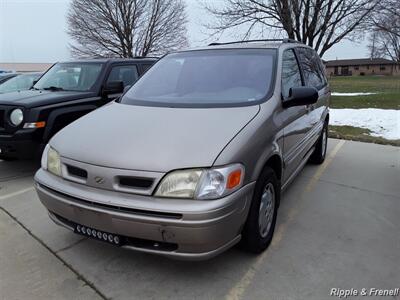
<point>206,78</point>
<point>70,77</point>
<point>18,83</point>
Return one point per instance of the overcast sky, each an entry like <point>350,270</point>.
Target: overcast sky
<point>35,31</point>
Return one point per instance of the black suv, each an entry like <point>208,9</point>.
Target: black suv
<point>67,91</point>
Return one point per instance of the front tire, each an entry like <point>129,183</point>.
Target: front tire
<point>319,153</point>
<point>259,228</point>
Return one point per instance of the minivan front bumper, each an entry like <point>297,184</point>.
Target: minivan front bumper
<point>189,229</point>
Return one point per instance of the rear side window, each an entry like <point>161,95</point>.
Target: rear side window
<point>127,74</point>
<point>145,67</point>
<point>290,72</point>
<point>323,71</point>
<point>310,64</point>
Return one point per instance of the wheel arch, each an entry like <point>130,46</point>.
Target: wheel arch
<point>275,163</point>
<point>327,118</point>
<point>55,116</point>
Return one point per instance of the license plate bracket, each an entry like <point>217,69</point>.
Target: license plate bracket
<point>99,235</point>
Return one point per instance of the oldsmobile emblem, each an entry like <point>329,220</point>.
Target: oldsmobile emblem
<point>99,180</point>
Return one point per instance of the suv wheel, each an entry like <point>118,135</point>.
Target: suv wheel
<point>260,224</point>
<point>319,153</point>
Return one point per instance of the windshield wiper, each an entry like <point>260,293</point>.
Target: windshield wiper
<point>53,88</point>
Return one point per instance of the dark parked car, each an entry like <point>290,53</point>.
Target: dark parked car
<point>193,158</point>
<point>20,82</point>
<point>6,76</point>
<point>67,91</point>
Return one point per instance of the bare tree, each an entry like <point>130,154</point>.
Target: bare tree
<point>373,46</point>
<point>126,28</point>
<point>385,36</point>
<point>317,23</point>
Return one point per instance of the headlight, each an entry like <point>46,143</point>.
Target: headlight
<point>16,117</point>
<point>202,183</point>
<point>44,157</point>
<point>51,161</point>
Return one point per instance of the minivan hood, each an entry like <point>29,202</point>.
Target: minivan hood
<point>33,98</point>
<point>147,138</point>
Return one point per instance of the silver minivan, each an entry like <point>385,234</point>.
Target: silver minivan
<point>192,159</point>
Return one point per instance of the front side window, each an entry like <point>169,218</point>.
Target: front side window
<point>18,83</point>
<point>127,74</point>
<point>290,72</point>
<point>309,61</point>
<point>206,78</point>
<point>70,77</point>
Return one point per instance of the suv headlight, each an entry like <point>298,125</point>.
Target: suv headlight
<point>16,117</point>
<point>51,161</point>
<point>201,183</point>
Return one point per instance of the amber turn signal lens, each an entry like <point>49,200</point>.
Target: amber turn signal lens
<point>40,124</point>
<point>35,125</point>
<point>234,179</point>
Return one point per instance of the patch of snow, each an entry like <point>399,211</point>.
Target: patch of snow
<point>352,94</point>
<point>382,122</point>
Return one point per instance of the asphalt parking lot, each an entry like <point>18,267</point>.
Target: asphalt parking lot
<point>338,227</point>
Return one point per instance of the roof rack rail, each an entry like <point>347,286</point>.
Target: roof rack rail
<point>145,57</point>
<point>252,41</point>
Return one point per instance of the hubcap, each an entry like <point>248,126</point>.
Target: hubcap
<point>267,208</point>
<point>324,138</point>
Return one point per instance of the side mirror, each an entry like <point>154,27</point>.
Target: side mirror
<point>113,87</point>
<point>302,95</point>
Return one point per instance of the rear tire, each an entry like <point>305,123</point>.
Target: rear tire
<point>260,224</point>
<point>319,153</point>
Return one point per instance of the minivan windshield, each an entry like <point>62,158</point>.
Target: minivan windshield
<point>204,78</point>
<point>70,77</point>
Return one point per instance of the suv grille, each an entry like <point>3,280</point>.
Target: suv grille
<point>2,119</point>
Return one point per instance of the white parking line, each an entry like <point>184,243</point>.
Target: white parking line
<point>237,291</point>
<point>16,193</point>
